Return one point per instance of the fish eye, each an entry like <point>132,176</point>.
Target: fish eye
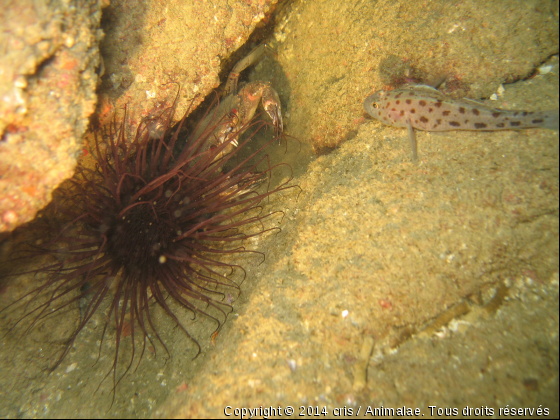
<point>375,105</point>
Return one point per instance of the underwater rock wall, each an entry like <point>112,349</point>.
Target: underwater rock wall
<point>337,53</point>
<point>52,66</point>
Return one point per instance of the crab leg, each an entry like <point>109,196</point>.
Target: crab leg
<point>254,55</point>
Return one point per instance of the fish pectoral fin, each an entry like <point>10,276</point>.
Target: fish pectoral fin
<point>412,139</point>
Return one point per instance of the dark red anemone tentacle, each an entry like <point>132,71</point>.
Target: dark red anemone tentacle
<point>151,224</point>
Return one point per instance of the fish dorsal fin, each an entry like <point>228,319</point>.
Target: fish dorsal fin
<point>478,104</point>
<point>427,90</point>
<point>424,87</point>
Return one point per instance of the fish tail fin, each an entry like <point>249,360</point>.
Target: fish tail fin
<point>550,119</point>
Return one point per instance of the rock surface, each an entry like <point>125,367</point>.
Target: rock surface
<point>47,85</point>
<point>152,47</point>
<point>450,265</point>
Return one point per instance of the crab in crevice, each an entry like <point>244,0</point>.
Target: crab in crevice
<point>237,108</point>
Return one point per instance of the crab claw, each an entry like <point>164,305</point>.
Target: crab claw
<point>271,104</point>
<point>275,114</point>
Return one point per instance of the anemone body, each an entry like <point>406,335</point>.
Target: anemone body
<point>149,221</point>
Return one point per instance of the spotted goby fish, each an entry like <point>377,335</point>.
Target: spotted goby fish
<point>425,108</point>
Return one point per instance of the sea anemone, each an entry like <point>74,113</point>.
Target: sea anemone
<point>151,222</point>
